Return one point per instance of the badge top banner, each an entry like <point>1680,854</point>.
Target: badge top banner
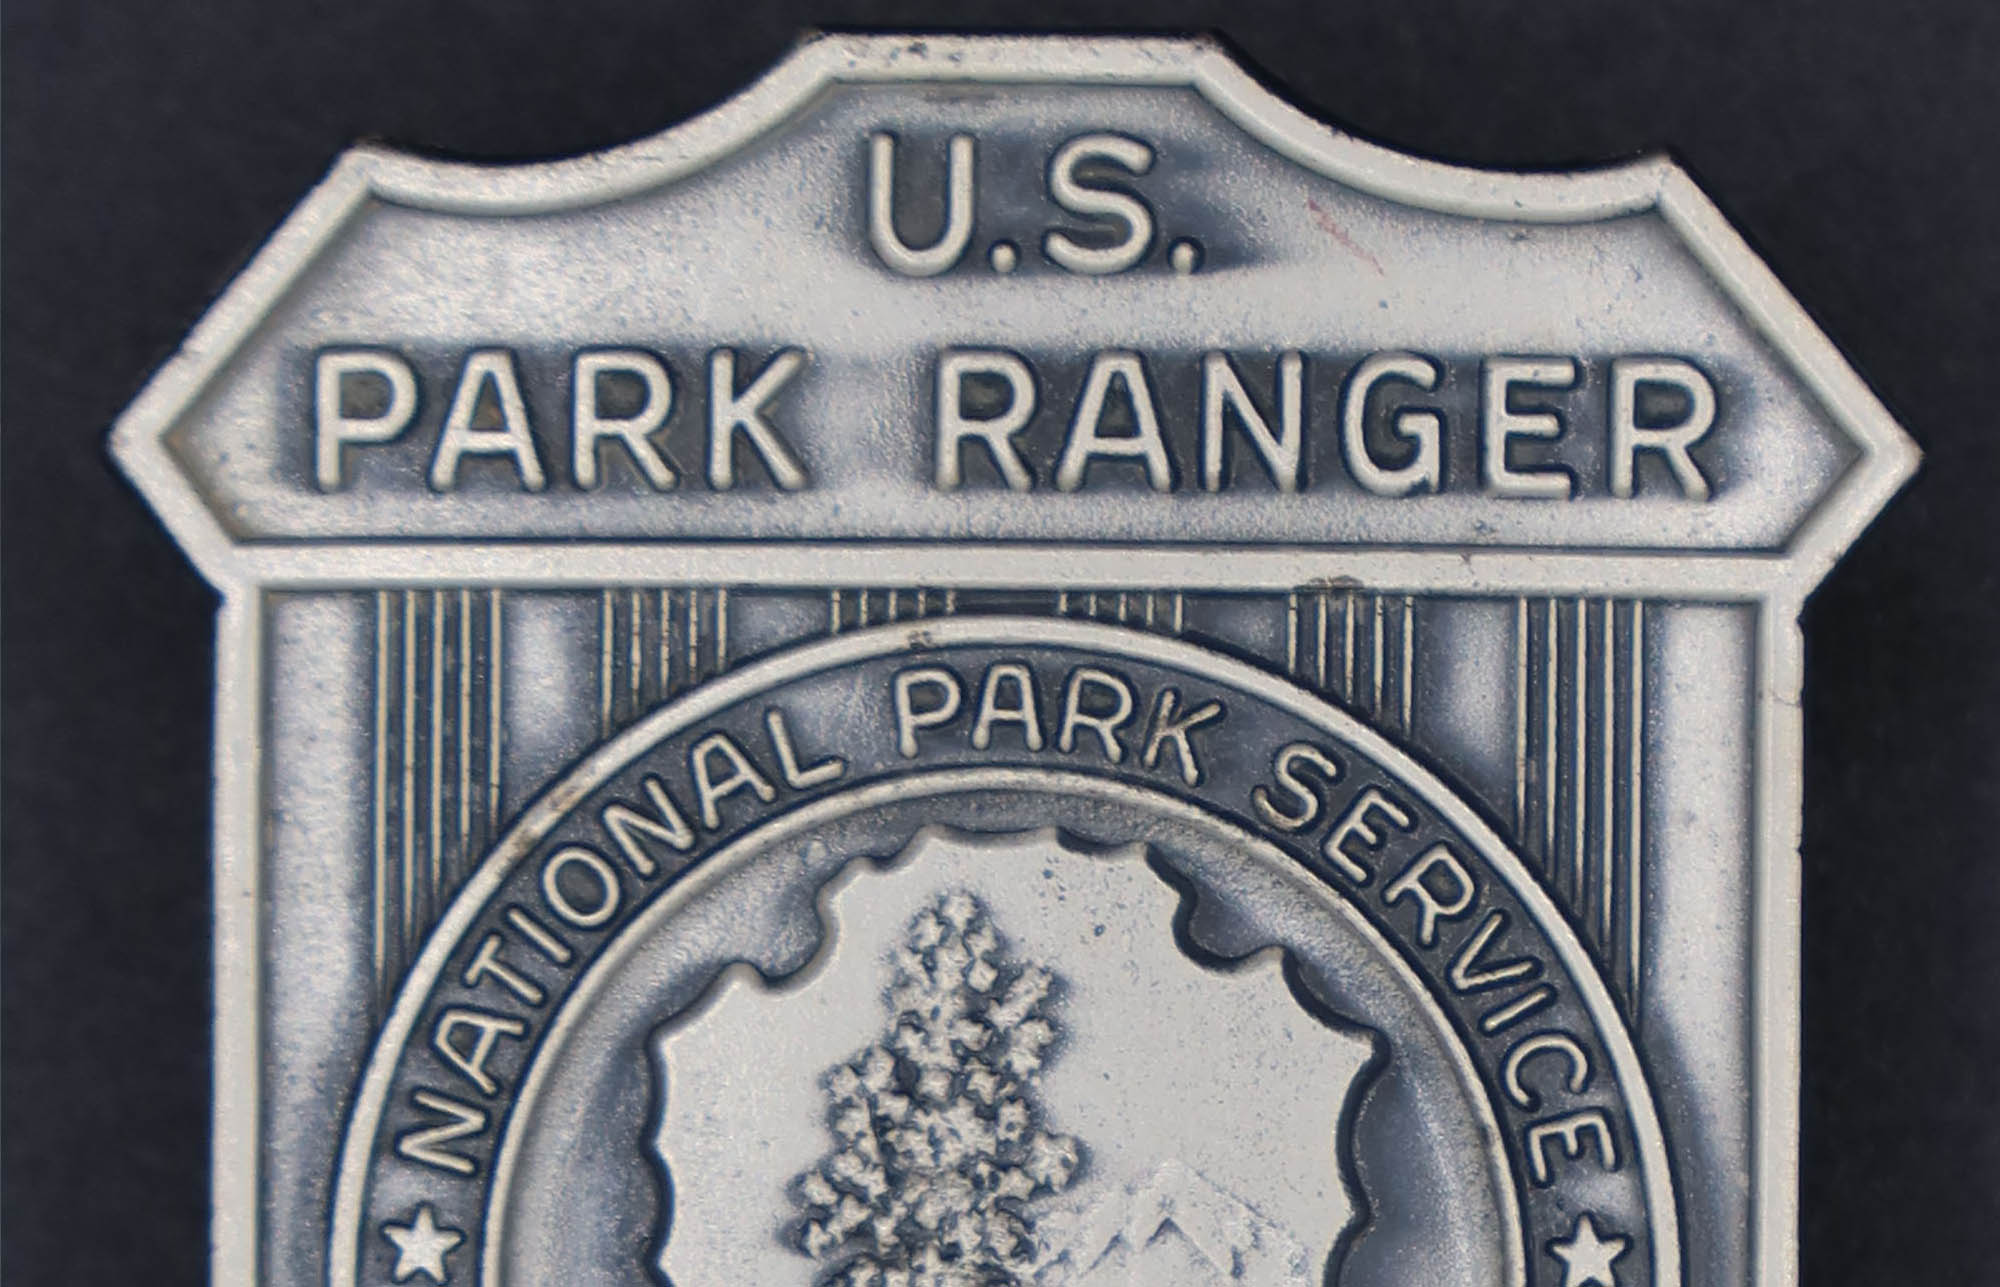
<point>1096,293</point>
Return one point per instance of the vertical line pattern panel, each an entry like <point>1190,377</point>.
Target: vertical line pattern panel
<point>657,642</point>
<point>1579,707</point>
<point>437,713</point>
<point>1358,648</point>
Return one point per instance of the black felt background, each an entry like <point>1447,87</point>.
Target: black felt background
<point>149,147</point>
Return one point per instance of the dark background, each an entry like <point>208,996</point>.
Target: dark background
<point>149,147</point>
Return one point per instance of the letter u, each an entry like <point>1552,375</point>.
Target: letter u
<point>950,245</point>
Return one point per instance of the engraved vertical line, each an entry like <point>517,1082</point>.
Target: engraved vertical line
<point>495,636</point>
<point>890,604</point>
<point>382,610</point>
<point>436,810</point>
<point>663,642</point>
<point>1580,783</point>
<point>1549,727</point>
<point>833,612</point>
<point>604,663</point>
<point>1635,802</point>
<point>950,600</point>
<point>693,636</point>
<point>1151,599</point>
<point>1322,639</point>
<point>464,756</point>
<point>860,607</point>
<point>635,642</point>
<point>1521,718</point>
<point>1409,660</point>
<point>1608,786</point>
<point>675,646</point>
<point>1292,633</point>
<point>722,629</point>
<point>1347,651</point>
<point>1375,657</point>
<point>409,766</point>
<point>1180,612</point>
<point>1062,603</point>
<point>646,648</point>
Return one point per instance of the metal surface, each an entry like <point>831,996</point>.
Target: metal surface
<point>1005,661</point>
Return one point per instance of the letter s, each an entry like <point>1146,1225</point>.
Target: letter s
<point>1070,192</point>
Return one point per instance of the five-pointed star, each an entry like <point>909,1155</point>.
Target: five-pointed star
<point>1587,1256</point>
<point>421,1246</point>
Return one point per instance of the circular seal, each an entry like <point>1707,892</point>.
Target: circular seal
<point>999,951</point>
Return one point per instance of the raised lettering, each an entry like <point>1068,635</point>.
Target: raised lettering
<point>334,428</point>
<point>667,825</point>
<point>424,1144</point>
<point>957,231</point>
<point>710,791</point>
<point>487,1028</point>
<point>731,412</point>
<point>589,426</point>
<point>1165,729</point>
<point>1498,426</point>
<point>1068,189</point>
<point>909,719</point>
<point>511,438</point>
<point>1354,824</point>
<point>796,777</point>
<point>1433,905</point>
<point>1628,438</point>
<point>1543,1043</point>
<point>1222,392</point>
<point>1467,975</point>
<point>1105,724</point>
<point>1020,711</point>
<point>1570,1130</point>
<point>605,881</point>
<point>1143,444</point>
<point>994,432</point>
<point>1424,471</point>
<point>486,963</point>
<point>1285,768</point>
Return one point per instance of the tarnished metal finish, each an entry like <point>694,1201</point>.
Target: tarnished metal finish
<point>1006,662</point>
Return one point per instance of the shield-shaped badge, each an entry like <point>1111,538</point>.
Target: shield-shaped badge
<point>1007,662</point>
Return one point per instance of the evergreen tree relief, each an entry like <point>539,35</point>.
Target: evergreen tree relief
<point>940,1147</point>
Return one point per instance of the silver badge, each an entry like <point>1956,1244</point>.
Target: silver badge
<point>1006,662</point>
